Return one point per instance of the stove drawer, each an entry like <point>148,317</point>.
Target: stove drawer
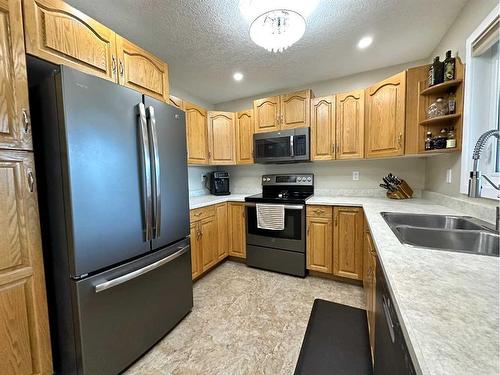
<point>320,211</point>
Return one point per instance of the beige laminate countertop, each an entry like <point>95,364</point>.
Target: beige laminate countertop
<point>447,303</point>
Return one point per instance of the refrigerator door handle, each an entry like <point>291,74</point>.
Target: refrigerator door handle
<point>153,140</point>
<point>141,271</point>
<point>146,166</point>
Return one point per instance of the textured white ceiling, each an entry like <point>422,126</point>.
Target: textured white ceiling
<point>205,42</point>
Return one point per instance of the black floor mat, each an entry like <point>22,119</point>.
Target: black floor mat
<point>336,341</point>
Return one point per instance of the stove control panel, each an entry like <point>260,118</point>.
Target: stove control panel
<point>288,179</point>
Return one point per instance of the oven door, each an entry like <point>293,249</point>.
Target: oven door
<point>292,238</point>
<point>282,146</point>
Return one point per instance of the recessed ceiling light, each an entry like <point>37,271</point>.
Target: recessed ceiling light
<point>365,42</point>
<point>238,76</point>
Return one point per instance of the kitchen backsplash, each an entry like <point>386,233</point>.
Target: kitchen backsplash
<point>196,184</point>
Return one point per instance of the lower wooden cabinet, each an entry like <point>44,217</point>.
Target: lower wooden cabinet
<point>237,230</point>
<point>222,231</point>
<point>194,234</point>
<point>208,241</point>
<point>319,239</point>
<point>24,326</point>
<point>369,284</point>
<point>348,242</point>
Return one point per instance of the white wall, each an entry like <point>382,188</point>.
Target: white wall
<point>334,177</point>
<point>323,88</point>
<point>467,21</point>
<point>196,185</point>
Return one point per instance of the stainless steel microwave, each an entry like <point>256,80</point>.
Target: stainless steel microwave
<point>284,146</point>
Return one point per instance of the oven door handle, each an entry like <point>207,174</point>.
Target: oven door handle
<point>287,206</point>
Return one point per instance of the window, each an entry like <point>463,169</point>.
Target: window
<point>482,102</point>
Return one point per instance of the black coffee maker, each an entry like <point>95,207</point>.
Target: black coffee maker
<point>218,183</point>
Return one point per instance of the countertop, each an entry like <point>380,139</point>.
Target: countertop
<point>208,200</point>
<point>448,303</point>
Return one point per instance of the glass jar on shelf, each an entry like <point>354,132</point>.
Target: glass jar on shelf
<point>438,108</point>
<point>439,141</point>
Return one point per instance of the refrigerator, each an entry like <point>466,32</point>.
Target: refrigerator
<point>112,173</point>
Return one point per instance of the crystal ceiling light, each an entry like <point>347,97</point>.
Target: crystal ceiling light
<point>277,24</point>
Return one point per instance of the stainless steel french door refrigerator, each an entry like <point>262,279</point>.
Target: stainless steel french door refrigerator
<point>112,174</point>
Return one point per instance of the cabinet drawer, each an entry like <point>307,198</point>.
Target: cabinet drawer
<point>201,213</point>
<point>319,211</point>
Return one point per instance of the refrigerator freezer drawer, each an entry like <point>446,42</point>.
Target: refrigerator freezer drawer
<point>123,312</point>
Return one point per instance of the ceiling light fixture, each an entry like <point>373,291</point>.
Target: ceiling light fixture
<point>238,76</point>
<point>365,42</point>
<point>277,24</point>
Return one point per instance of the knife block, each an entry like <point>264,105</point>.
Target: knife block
<point>404,191</point>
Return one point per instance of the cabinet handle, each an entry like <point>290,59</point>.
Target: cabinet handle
<point>26,120</point>
<point>31,181</point>
<point>400,139</point>
<point>333,148</point>
<point>113,65</point>
<point>122,70</point>
<point>335,221</point>
<point>319,211</point>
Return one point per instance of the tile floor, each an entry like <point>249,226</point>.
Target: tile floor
<point>244,321</point>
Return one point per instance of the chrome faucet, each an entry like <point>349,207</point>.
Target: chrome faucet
<point>475,175</point>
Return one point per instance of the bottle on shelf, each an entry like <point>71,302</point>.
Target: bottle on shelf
<point>429,144</point>
<point>436,72</point>
<point>451,141</point>
<point>438,108</point>
<point>449,67</point>
<point>439,142</point>
<point>452,103</point>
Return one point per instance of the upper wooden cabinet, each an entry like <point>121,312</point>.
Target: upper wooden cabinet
<point>197,137</point>
<point>140,70</point>
<point>385,117</point>
<point>244,137</point>
<point>25,342</point>
<point>15,127</point>
<point>323,128</point>
<point>266,112</point>
<point>348,242</point>
<point>61,34</point>
<point>175,101</point>
<point>295,110</point>
<point>287,111</point>
<point>221,138</point>
<point>237,230</point>
<point>350,125</point>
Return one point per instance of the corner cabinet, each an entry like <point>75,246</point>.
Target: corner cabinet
<point>295,110</point>
<point>350,126</point>
<point>197,136</point>
<point>141,71</point>
<point>237,230</point>
<point>348,242</point>
<point>25,343</point>
<point>385,117</point>
<point>323,128</point>
<point>15,127</point>
<point>221,138</point>
<point>266,112</point>
<point>244,137</point>
<point>61,34</point>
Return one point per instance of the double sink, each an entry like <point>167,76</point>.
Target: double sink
<point>444,232</point>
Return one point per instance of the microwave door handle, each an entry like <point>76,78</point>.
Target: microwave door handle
<point>291,146</point>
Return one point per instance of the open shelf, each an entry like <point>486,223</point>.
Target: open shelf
<point>441,87</point>
<point>440,119</point>
<point>441,150</point>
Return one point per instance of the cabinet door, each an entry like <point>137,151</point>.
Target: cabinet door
<point>373,295</point>
<point>323,128</point>
<point>141,70</point>
<point>15,129</point>
<point>266,112</point>
<point>208,229</point>
<point>244,137</point>
<point>237,230</point>
<point>175,101</point>
<point>319,244</point>
<point>197,137</point>
<point>24,326</point>
<point>194,234</point>
<point>350,125</point>
<point>348,242</point>
<point>295,110</point>
<point>222,231</point>
<point>59,33</point>
<point>385,117</point>
<point>221,138</point>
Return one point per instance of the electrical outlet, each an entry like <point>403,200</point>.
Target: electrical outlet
<point>355,175</point>
<point>448,176</point>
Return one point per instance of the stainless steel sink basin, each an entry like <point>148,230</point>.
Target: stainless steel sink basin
<point>444,232</point>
